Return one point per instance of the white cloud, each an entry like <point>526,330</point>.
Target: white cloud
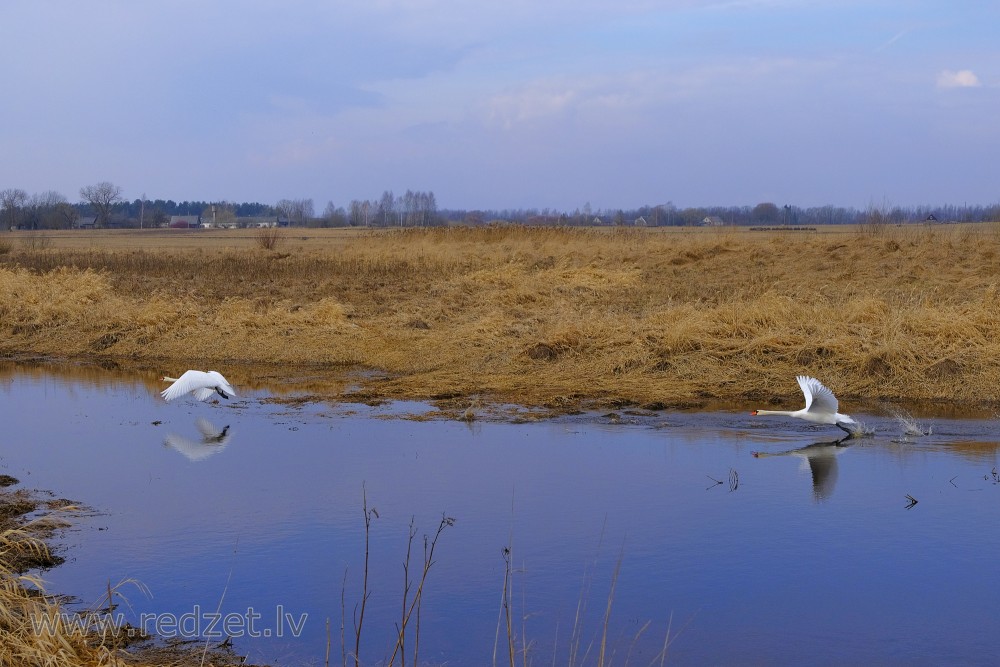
<point>964,78</point>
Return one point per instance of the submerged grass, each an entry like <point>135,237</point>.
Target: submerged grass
<point>537,316</point>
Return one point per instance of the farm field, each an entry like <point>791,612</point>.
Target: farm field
<point>556,317</point>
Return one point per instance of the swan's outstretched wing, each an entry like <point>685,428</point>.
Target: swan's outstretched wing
<point>223,384</point>
<point>819,399</point>
<point>204,393</point>
<point>186,383</point>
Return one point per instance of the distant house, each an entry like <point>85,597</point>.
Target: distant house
<point>184,221</point>
<point>85,222</point>
<point>640,222</point>
<point>597,221</point>
<point>227,224</point>
<point>713,221</point>
<point>260,221</point>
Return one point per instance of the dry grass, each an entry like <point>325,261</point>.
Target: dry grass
<point>543,316</point>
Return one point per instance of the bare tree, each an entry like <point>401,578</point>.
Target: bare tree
<point>12,200</point>
<point>409,207</point>
<point>387,208</point>
<point>285,208</point>
<point>334,216</point>
<point>296,211</point>
<point>430,207</point>
<point>356,213</point>
<point>68,214</point>
<point>102,197</point>
<point>44,210</point>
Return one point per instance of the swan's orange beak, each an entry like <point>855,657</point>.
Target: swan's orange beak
<point>754,413</point>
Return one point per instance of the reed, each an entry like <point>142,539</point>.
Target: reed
<point>408,627</point>
<point>599,648</point>
<point>537,316</point>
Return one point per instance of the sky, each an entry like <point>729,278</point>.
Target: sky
<point>513,104</point>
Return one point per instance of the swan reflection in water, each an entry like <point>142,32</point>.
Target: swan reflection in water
<point>821,460</point>
<point>213,440</point>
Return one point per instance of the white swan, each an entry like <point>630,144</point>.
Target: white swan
<point>821,407</point>
<point>202,384</point>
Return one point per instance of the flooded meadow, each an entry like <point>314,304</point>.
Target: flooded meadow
<point>655,537</point>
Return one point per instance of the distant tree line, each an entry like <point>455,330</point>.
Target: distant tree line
<point>766,213</point>
<point>52,210</point>
<point>104,203</point>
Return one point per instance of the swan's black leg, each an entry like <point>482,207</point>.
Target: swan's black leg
<point>849,432</point>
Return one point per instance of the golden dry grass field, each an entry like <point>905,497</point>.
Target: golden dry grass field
<point>555,317</point>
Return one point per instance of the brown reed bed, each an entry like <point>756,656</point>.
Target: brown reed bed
<point>536,316</point>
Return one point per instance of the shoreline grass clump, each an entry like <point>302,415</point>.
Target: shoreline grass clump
<point>37,628</point>
<point>553,317</point>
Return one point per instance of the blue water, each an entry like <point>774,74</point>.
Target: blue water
<point>744,559</point>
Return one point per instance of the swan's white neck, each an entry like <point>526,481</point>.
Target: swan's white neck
<point>784,413</point>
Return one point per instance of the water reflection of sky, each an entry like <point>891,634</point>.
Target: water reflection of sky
<point>778,568</point>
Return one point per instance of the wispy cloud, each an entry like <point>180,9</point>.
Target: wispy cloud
<point>963,78</point>
<point>892,40</point>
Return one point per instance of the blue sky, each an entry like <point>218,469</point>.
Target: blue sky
<point>514,104</point>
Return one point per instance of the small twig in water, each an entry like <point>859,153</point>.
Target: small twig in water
<point>218,609</point>
<point>343,617</point>
<point>416,601</point>
<point>911,501</point>
<point>717,483</point>
<point>359,617</point>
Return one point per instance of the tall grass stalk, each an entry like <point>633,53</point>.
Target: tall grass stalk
<point>408,627</point>
<point>601,650</point>
<point>607,609</point>
<point>359,616</point>
<point>222,596</point>
<point>430,544</point>
<point>505,617</point>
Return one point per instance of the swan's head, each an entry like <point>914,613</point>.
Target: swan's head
<point>754,413</point>
<point>756,455</point>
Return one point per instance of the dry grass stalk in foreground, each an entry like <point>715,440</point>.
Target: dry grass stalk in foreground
<point>518,646</point>
<point>408,626</point>
<point>539,316</point>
